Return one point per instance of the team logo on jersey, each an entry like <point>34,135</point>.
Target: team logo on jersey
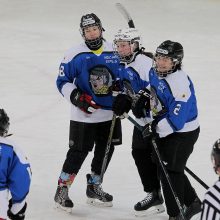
<point>161,86</point>
<point>130,75</point>
<point>111,59</point>
<point>100,79</point>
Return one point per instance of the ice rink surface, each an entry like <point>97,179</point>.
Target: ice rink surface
<point>33,39</point>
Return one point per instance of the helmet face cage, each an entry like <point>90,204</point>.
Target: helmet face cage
<point>172,50</point>
<point>4,122</point>
<point>90,20</point>
<point>215,156</point>
<point>132,36</point>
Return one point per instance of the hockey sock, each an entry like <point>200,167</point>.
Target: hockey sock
<point>94,179</point>
<point>66,179</point>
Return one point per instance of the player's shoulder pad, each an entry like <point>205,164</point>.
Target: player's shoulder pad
<point>108,46</point>
<point>179,85</point>
<point>9,143</point>
<point>75,51</point>
<point>145,60</point>
<point>6,142</point>
<point>148,54</point>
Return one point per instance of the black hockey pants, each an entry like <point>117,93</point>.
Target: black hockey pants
<point>82,138</point>
<point>175,150</point>
<point>142,154</point>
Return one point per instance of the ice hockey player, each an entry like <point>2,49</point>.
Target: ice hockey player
<point>15,175</point>
<point>177,130</point>
<point>135,63</point>
<point>85,79</point>
<point>211,202</point>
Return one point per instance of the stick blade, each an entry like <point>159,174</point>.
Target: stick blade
<point>125,14</point>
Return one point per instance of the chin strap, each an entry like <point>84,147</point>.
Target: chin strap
<point>94,44</point>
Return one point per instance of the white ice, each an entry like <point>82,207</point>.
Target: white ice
<point>34,35</point>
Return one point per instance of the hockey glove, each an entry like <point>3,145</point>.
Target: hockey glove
<point>116,87</point>
<point>141,106</point>
<point>121,104</point>
<point>83,101</point>
<point>149,130</point>
<point>20,215</point>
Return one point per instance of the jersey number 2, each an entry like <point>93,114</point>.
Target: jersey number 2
<point>177,109</point>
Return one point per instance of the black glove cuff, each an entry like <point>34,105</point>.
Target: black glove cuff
<point>121,104</point>
<point>74,96</point>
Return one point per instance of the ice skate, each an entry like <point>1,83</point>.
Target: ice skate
<point>62,199</point>
<point>193,210</point>
<point>150,205</point>
<point>96,195</point>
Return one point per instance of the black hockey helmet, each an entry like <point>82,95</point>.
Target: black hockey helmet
<point>4,122</point>
<point>215,155</point>
<point>173,50</point>
<point>90,20</point>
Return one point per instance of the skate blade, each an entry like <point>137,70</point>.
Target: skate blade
<point>60,207</point>
<point>157,209</point>
<point>98,203</point>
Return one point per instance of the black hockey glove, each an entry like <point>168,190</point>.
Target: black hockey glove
<point>20,215</point>
<point>141,106</point>
<point>149,130</point>
<point>116,87</point>
<point>121,104</point>
<point>83,101</point>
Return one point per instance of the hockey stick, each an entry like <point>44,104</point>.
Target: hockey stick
<point>104,163</point>
<point>168,179</point>
<point>126,15</point>
<point>196,178</point>
<point>140,128</point>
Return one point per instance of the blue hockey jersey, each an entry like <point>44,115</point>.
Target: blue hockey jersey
<point>175,93</point>
<point>93,73</point>
<point>137,72</point>
<point>15,176</point>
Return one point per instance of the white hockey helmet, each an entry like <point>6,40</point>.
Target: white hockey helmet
<point>132,36</point>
